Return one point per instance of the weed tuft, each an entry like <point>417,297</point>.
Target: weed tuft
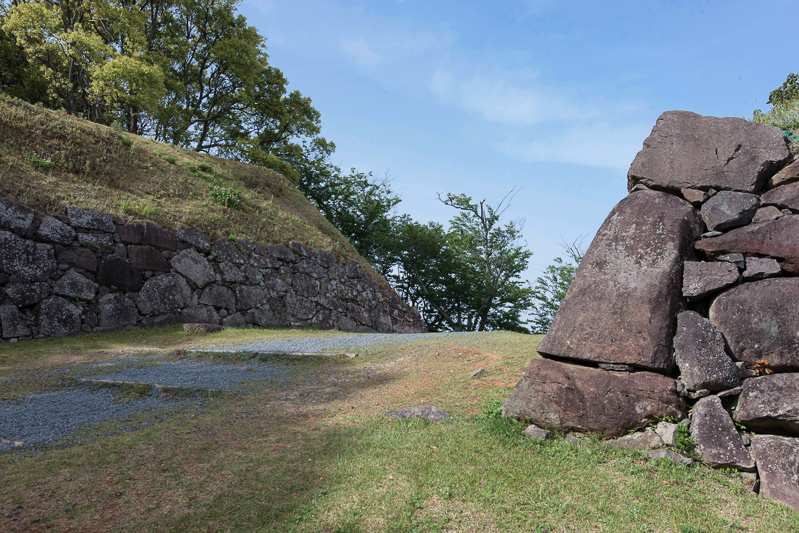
<point>40,163</point>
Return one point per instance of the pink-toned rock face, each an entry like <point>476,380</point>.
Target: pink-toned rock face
<point>576,398</point>
<point>778,465</point>
<point>717,441</point>
<point>760,321</point>
<point>768,404</point>
<point>622,305</point>
<point>776,238</point>
<point>785,196</point>
<point>686,150</point>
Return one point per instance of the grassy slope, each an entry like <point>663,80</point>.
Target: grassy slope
<point>138,179</point>
<point>317,455</point>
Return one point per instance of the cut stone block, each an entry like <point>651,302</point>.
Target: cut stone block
<point>622,305</point>
<point>768,404</point>
<point>577,398</point>
<point>702,278</point>
<point>760,321</point>
<point>717,442</point>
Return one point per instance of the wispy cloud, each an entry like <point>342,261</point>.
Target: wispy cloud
<point>499,101</point>
<point>611,146</point>
<point>544,123</point>
<point>361,51</point>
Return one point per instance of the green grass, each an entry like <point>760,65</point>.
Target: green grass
<point>318,455</point>
<point>50,160</point>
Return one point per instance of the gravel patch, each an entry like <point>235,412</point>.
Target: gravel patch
<point>338,343</point>
<point>43,418</point>
<point>196,374</point>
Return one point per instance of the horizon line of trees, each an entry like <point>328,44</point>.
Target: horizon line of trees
<point>195,74</point>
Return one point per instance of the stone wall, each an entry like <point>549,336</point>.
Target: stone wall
<point>686,305</point>
<point>89,271</point>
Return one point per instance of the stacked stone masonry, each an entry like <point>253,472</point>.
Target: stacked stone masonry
<point>89,271</point>
<point>686,305</point>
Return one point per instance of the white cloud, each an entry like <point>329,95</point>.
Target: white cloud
<point>361,51</point>
<point>597,145</point>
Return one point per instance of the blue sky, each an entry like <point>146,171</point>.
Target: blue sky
<point>553,98</point>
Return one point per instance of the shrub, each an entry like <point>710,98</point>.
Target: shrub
<point>226,196</point>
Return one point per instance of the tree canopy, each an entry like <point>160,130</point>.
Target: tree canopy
<point>195,74</point>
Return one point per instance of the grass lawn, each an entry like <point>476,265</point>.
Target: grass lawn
<point>316,454</point>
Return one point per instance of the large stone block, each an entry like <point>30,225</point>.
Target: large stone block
<point>75,257</point>
<point>768,404</point>
<point>163,294</point>
<point>29,260</point>
<point>199,240</point>
<point>729,209</point>
<point>760,321</point>
<point>686,150</point>
<point>227,251</point>
<point>218,296</point>
<point>778,465</point>
<point>147,258</point>
<point>774,238</point>
<point>97,242</point>
<point>11,323</point>
<point>701,278</point>
<point>117,272</point>
<point>623,302</point>
<point>59,317</point>
<point>194,266</point>
<point>24,294</point>
<point>577,398</point>
<point>789,174</point>
<point>117,311</point>
<point>282,253</point>
<point>717,442</point>
<point>159,237</point>
<point>250,297</point>
<point>90,219</point>
<point>15,217</point>
<point>75,286</point>
<point>785,197</point>
<point>700,354</point>
<point>53,230</point>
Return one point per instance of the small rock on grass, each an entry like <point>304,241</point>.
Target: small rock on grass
<point>429,412</point>
<point>642,440</point>
<point>477,373</point>
<point>667,432</point>
<point>536,433</point>
<point>669,454</point>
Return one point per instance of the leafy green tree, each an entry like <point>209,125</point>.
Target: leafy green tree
<point>786,92</point>
<point>550,289</point>
<point>466,278</point>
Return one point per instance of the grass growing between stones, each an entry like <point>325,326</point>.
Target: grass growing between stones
<point>313,452</point>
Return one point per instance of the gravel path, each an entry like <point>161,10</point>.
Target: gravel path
<point>333,344</point>
<point>43,418</point>
<point>195,374</point>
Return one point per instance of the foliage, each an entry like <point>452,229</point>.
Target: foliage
<point>551,288</point>
<point>41,164</point>
<point>226,196</point>
<point>465,278</point>
<point>787,91</point>
<point>684,442</point>
<point>784,112</point>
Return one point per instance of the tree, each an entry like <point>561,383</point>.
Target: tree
<point>786,92</point>
<point>466,278</point>
<point>551,288</point>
